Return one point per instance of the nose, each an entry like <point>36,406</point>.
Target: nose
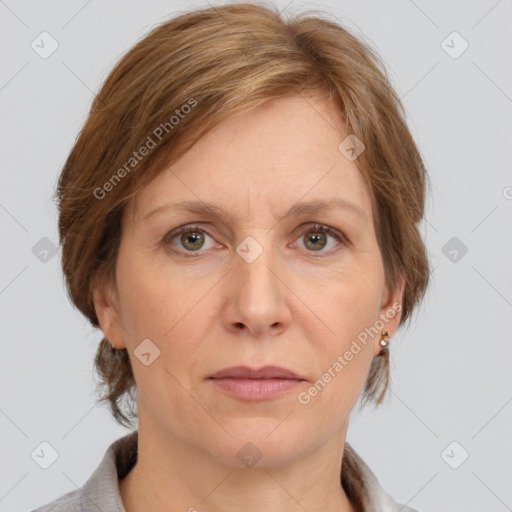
<point>257,297</point>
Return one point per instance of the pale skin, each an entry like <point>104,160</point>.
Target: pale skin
<point>299,305</point>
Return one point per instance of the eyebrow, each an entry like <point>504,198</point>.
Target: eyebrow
<point>299,209</point>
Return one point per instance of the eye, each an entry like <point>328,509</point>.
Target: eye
<point>317,238</point>
<point>191,239</point>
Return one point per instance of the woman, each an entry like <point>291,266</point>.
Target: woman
<point>239,216</point>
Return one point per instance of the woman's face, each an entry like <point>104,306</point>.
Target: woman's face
<point>254,287</point>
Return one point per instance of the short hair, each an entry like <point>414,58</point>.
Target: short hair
<point>182,79</point>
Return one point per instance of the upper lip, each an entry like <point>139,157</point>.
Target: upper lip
<point>246,372</point>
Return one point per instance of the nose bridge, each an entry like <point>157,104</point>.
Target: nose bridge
<point>258,294</point>
<point>255,258</point>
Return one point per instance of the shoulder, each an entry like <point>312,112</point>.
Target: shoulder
<point>69,502</point>
<point>101,491</point>
<point>363,487</point>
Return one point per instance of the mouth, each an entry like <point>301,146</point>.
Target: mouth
<point>251,384</point>
<point>246,372</point>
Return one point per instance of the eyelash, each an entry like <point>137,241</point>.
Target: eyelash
<point>316,228</point>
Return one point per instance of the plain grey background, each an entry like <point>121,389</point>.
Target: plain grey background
<point>451,379</point>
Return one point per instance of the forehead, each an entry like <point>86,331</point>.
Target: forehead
<point>273,155</point>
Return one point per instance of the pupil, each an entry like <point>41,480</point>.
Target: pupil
<point>191,239</point>
<point>316,238</point>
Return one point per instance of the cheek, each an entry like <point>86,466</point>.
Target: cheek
<point>351,301</point>
<point>350,308</point>
<point>173,311</point>
<point>345,357</point>
<point>154,298</point>
<point>352,351</point>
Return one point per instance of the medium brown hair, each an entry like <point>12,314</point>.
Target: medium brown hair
<point>181,80</point>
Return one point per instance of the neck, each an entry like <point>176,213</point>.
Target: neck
<point>172,475</point>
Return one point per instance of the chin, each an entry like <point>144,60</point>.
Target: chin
<point>261,445</point>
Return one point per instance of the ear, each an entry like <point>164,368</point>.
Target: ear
<point>107,310</point>
<point>391,310</point>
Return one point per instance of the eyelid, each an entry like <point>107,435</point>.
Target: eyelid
<point>316,227</point>
<point>183,229</point>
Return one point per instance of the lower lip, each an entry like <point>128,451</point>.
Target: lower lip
<point>256,389</point>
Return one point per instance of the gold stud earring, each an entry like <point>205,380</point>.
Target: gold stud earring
<point>384,341</point>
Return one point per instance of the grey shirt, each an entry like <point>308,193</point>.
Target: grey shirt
<point>101,491</point>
